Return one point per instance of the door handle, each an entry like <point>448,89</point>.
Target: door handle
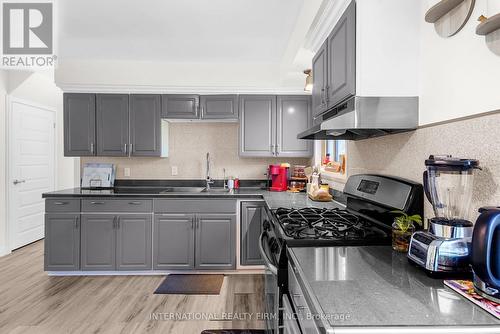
<point>135,203</point>
<point>114,222</point>
<point>16,182</point>
<point>130,150</point>
<point>125,149</point>
<point>97,203</point>
<point>60,203</point>
<point>92,148</point>
<point>118,223</point>
<point>76,222</point>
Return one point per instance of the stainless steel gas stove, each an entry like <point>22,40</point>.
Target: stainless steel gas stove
<point>366,219</point>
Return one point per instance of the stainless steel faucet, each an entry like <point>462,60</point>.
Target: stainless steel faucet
<point>209,179</point>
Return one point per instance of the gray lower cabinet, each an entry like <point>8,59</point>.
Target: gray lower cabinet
<point>98,242</point>
<point>173,244</point>
<point>79,125</point>
<point>219,107</point>
<point>116,242</point>
<point>294,117</point>
<point>215,241</point>
<point>133,242</point>
<point>257,125</point>
<point>145,125</point>
<point>62,242</point>
<point>252,217</point>
<point>112,124</point>
<point>180,106</point>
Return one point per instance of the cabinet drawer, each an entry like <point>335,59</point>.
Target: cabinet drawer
<point>117,205</point>
<point>300,304</point>
<point>62,205</point>
<point>195,205</point>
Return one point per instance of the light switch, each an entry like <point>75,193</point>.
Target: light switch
<point>126,171</point>
<point>174,171</point>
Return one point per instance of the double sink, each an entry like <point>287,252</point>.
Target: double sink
<point>169,190</point>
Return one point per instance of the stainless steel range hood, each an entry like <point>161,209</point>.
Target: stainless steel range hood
<point>366,117</point>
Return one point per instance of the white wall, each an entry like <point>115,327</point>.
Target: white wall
<point>459,75</point>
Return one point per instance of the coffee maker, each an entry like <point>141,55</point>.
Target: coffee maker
<point>446,246</point>
<point>278,178</point>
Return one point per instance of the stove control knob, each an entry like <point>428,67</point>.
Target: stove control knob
<point>274,245</point>
<point>267,225</point>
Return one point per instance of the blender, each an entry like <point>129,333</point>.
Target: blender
<point>445,247</point>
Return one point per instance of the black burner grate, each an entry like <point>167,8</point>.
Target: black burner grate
<point>329,224</point>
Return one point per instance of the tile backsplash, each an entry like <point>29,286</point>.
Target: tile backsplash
<point>188,146</point>
<point>404,154</point>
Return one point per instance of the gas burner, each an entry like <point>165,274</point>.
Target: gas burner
<point>327,224</point>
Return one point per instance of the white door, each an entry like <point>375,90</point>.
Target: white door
<point>31,172</point>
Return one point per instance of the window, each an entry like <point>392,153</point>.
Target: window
<point>333,156</point>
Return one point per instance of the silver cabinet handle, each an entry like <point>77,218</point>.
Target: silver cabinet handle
<point>192,223</point>
<point>125,149</point>
<point>92,148</point>
<point>60,203</point>
<point>114,222</point>
<point>130,150</point>
<point>135,203</point>
<point>97,203</point>
<point>272,149</point>
<point>118,223</point>
<point>76,222</point>
<point>16,182</point>
<point>276,149</point>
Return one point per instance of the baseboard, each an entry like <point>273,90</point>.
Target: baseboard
<point>149,272</point>
<point>4,251</point>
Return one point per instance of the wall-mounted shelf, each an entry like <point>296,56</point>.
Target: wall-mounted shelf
<point>440,9</point>
<point>489,25</point>
<point>450,16</point>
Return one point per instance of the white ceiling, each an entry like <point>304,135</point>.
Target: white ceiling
<point>239,31</point>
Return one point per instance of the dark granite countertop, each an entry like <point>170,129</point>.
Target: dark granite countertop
<point>375,287</point>
<point>274,200</point>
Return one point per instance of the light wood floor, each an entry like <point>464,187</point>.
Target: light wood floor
<point>32,302</point>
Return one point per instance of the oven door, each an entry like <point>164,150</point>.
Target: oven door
<point>271,288</point>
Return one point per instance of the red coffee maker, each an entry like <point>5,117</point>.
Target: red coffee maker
<point>278,177</point>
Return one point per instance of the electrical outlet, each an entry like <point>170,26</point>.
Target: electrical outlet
<point>174,171</point>
<point>126,171</point>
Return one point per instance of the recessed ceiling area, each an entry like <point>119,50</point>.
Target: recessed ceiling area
<point>178,31</point>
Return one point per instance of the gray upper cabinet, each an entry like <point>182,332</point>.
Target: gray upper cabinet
<point>257,125</point>
<point>133,242</point>
<point>215,241</point>
<point>98,242</point>
<point>219,107</point>
<point>173,244</point>
<point>342,58</point>
<point>294,116</point>
<point>180,106</point>
<point>145,125</point>
<point>62,241</point>
<point>112,124</point>
<point>252,218</point>
<point>79,125</point>
<point>319,69</point>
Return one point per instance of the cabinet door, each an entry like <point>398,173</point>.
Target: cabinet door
<point>319,69</point>
<point>294,116</point>
<point>252,217</point>
<point>173,241</point>
<point>98,240</point>
<point>180,106</point>
<point>133,242</point>
<point>62,242</point>
<point>79,125</point>
<point>215,241</point>
<point>342,58</point>
<point>145,125</point>
<point>112,125</point>
<point>219,107</point>
<point>257,125</point>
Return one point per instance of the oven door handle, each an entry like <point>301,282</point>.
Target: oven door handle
<point>272,268</point>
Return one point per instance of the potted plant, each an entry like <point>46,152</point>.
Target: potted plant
<point>402,229</point>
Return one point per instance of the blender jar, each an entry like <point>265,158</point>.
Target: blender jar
<point>448,184</point>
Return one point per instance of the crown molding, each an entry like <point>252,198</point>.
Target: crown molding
<point>151,89</point>
<point>324,22</point>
